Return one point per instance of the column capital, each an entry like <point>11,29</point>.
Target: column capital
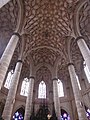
<point>79,37</point>
<point>19,61</point>
<point>31,77</point>
<point>55,79</point>
<point>17,34</point>
<point>70,64</point>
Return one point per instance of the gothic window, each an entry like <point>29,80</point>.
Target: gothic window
<point>78,82</point>
<point>64,115</point>
<point>42,90</point>
<point>87,72</point>
<point>8,79</point>
<point>87,112</point>
<point>24,87</point>
<point>19,114</point>
<point>60,88</point>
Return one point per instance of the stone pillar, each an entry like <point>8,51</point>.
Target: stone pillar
<point>56,98</point>
<point>77,93</point>
<point>84,50</point>
<point>12,92</point>
<point>7,56</point>
<point>29,99</point>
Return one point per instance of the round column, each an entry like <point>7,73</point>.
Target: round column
<point>56,98</point>
<point>12,92</point>
<point>84,50</point>
<point>77,93</point>
<point>7,56</point>
<point>29,99</point>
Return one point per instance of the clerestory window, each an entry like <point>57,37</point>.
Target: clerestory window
<point>60,88</point>
<point>87,72</point>
<point>78,83</point>
<point>42,90</point>
<point>8,79</point>
<point>24,87</point>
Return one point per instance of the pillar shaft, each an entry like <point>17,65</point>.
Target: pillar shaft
<point>56,99</point>
<point>29,100</point>
<point>7,56</point>
<point>84,50</point>
<point>12,93</point>
<point>77,93</point>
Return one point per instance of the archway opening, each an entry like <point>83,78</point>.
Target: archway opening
<point>19,114</point>
<point>64,115</point>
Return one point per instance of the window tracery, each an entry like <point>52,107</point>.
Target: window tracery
<point>9,79</point>
<point>42,90</point>
<point>24,87</point>
<point>60,88</point>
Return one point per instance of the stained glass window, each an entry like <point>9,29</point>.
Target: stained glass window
<point>87,112</point>
<point>19,114</point>
<point>24,87</point>
<point>8,79</point>
<point>60,88</point>
<point>42,90</point>
<point>87,72</point>
<point>64,115</point>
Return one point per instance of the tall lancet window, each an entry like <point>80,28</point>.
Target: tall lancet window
<point>78,83</point>
<point>24,87</point>
<point>42,90</point>
<point>87,72</point>
<point>60,88</point>
<point>8,79</point>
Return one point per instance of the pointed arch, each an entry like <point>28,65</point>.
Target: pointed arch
<point>42,90</point>
<point>64,115</point>
<point>19,114</point>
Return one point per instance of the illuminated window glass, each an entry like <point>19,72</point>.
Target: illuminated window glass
<point>42,90</point>
<point>24,87</point>
<point>87,72</point>
<point>19,114</point>
<point>64,115</point>
<point>60,89</point>
<point>8,79</point>
<point>78,82</point>
<point>87,112</point>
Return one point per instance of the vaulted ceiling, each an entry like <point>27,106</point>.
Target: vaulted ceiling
<point>48,28</point>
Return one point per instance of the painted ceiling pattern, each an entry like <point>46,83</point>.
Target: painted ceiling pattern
<point>47,25</point>
<point>43,73</point>
<point>44,55</point>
